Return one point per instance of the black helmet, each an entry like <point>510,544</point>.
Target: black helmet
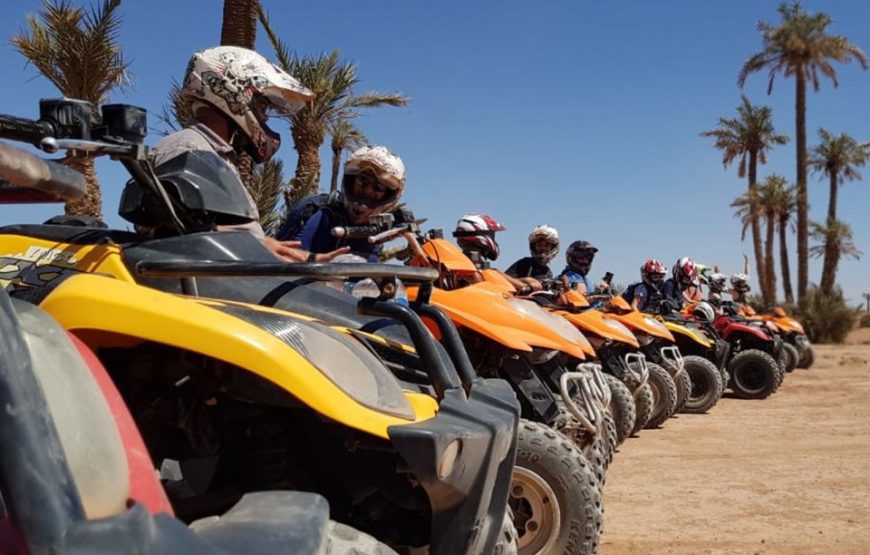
<point>579,256</point>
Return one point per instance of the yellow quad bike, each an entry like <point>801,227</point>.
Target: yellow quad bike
<point>233,398</point>
<point>704,355</point>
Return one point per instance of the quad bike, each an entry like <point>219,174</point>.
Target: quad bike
<point>796,340</point>
<point>233,398</point>
<point>75,476</point>
<point>656,342</point>
<point>517,340</point>
<point>755,349</point>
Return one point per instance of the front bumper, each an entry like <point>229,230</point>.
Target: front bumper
<point>469,496</point>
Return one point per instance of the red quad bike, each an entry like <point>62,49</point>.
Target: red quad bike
<point>752,366</point>
<point>75,475</point>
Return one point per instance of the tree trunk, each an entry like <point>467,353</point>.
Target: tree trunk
<point>783,259</point>
<point>829,265</point>
<point>336,164</point>
<point>307,144</point>
<point>770,278</point>
<point>800,107</point>
<point>239,26</point>
<point>91,203</point>
<point>760,268</point>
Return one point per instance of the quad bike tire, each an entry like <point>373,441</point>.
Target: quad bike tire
<point>599,452</point>
<point>644,399</point>
<point>684,388</point>
<point>707,384</point>
<point>341,539</point>
<point>621,407</point>
<point>555,496</point>
<point>790,357</point>
<point>664,395</point>
<point>807,358</point>
<point>507,543</point>
<point>754,374</point>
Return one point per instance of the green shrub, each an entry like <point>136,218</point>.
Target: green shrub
<point>864,322</point>
<point>826,318</point>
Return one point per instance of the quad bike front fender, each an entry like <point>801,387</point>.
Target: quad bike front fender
<point>677,329</point>
<point>108,312</point>
<point>643,322</point>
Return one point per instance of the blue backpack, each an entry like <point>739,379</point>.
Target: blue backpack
<point>306,207</point>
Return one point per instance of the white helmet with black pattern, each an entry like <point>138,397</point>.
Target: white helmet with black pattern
<point>244,86</point>
<point>548,234</point>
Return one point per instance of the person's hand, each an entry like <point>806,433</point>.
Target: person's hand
<point>533,283</point>
<point>289,251</point>
<point>603,287</point>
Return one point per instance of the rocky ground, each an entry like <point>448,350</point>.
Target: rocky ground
<point>787,475</point>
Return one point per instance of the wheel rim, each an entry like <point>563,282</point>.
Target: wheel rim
<point>700,387</point>
<point>535,507</point>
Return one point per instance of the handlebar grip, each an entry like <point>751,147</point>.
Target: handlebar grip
<point>24,130</point>
<point>354,231</point>
<point>27,170</point>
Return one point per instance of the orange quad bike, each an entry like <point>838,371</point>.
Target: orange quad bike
<point>540,354</point>
<point>620,352</point>
<point>797,352</point>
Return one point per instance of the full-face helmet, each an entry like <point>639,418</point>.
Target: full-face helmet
<point>244,87</point>
<point>544,243</point>
<point>476,232</point>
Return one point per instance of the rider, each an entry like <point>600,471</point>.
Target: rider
<point>683,286</point>
<point>231,90</point>
<point>646,295</point>
<point>716,283</point>
<point>739,290</point>
<point>475,235</point>
<point>543,246</point>
<point>372,184</point>
<point>579,257</point>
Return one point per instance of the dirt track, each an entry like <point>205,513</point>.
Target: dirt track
<point>787,475</point>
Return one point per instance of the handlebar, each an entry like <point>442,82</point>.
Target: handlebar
<point>21,168</point>
<point>373,233</point>
<point>24,130</point>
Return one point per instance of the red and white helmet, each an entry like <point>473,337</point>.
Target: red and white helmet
<point>476,232</point>
<point>653,272</point>
<point>384,166</point>
<point>685,272</point>
<point>243,85</point>
<point>548,234</point>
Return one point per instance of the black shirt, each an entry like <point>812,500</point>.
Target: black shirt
<point>529,267</point>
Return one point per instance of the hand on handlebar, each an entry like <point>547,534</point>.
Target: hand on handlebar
<point>289,251</point>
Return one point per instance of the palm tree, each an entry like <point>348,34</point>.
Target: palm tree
<point>267,185</point>
<point>838,157</point>
<point>836,236</point>
<point>800,46</point>
<point>768,205</point>
<point>239,23</point>
<point>332,81</point>
<point>78,51</point>
<point>748,136</point>
<point>345,136</point>
<point>867,299</point>
<point>747,209</point>
<point>782,197</point>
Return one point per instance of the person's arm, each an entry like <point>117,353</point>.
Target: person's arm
<point>639,297</point>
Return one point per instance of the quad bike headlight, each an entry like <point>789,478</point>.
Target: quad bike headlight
<point>558,324</point>
<point>348,364</point>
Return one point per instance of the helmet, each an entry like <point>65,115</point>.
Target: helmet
<point>242,85</point>
<point>704,312</point>
<point>652,272</point>
<point>546,233</point>
<point>579,256</point>
<point>717,282</point>
<point>384,166</point>
<point>740,283</point>
<point>476,232</point>
<point>685,272</point>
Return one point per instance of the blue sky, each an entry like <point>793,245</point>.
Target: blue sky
<point>582,115</point>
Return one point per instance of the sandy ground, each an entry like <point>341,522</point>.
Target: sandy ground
<point>787,475</point>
